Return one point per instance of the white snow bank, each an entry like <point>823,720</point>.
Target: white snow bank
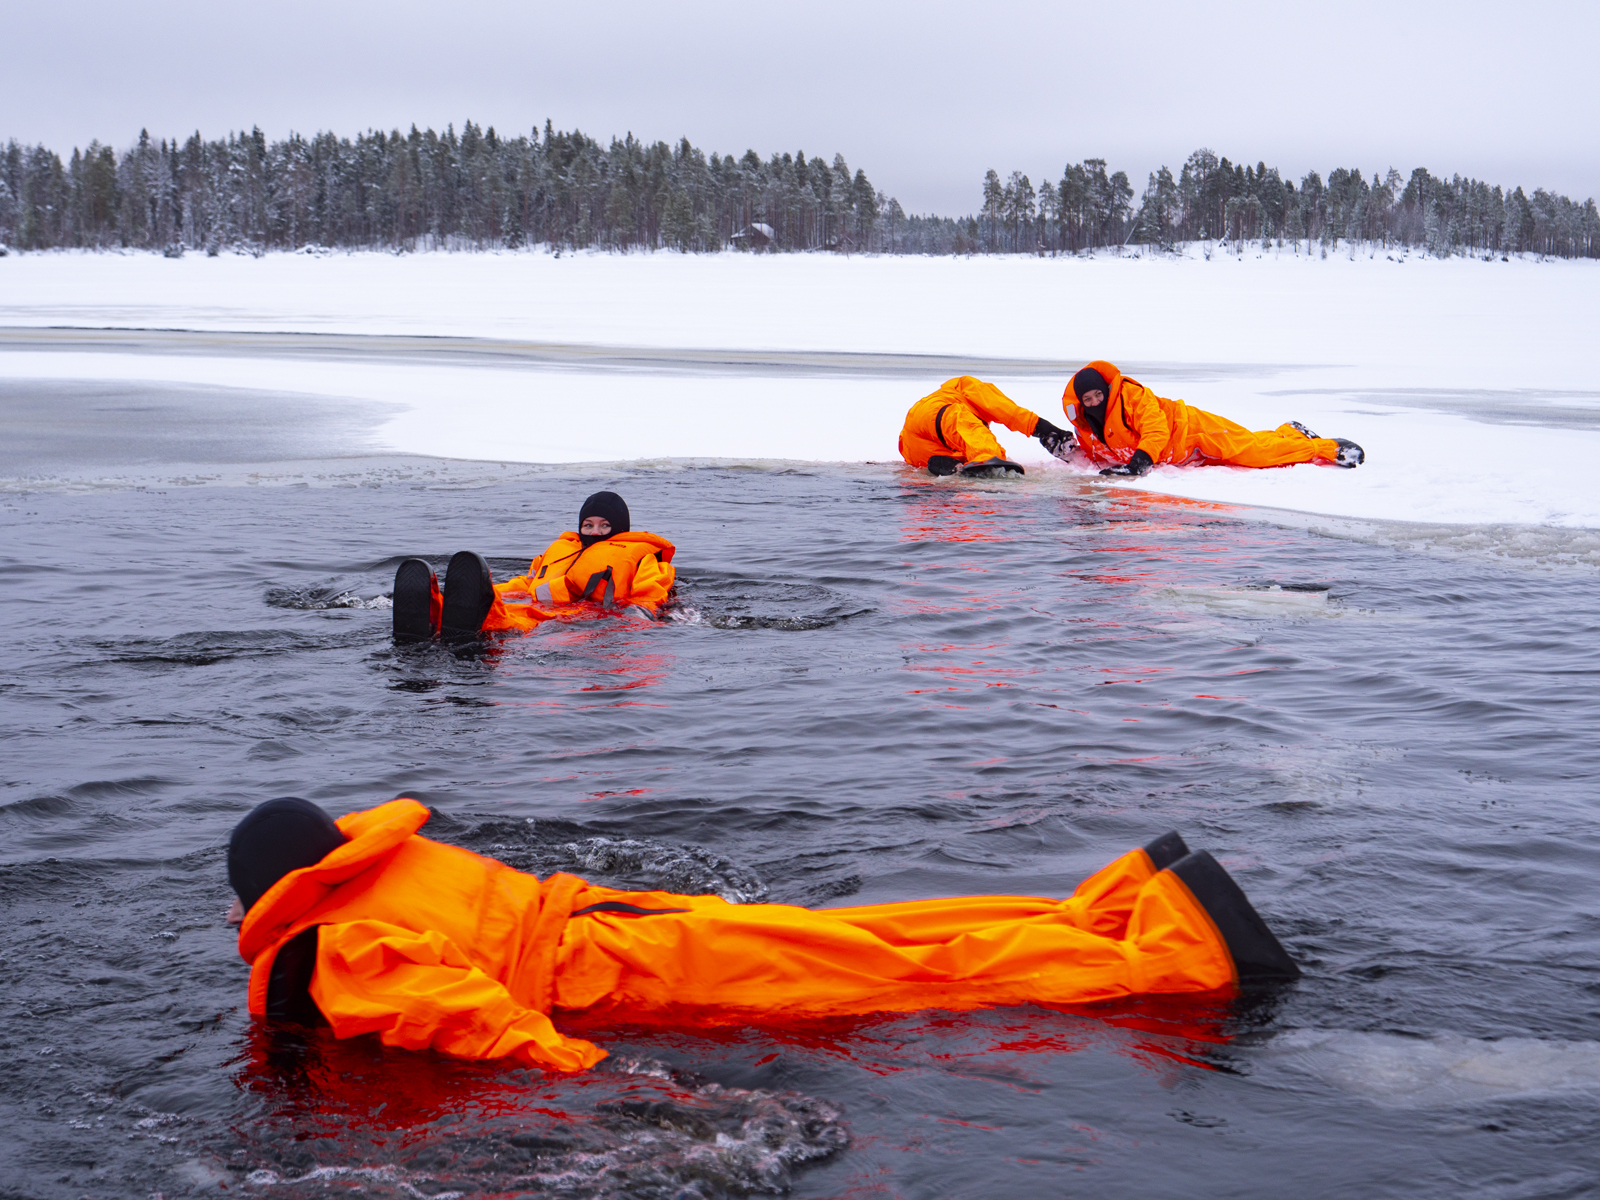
<point>1450,323</point>
<point>1421,361</point>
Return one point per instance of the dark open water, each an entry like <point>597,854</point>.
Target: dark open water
<point>879,687</point>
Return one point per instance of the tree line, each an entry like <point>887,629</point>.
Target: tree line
<point>1211,199</point>
<point>477,190</point>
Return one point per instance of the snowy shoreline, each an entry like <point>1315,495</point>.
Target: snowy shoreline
<point>1470,384</point>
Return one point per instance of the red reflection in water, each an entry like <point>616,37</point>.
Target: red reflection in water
<point>598,658</point>
<point>945,515</point>
<point>1158,1031</point>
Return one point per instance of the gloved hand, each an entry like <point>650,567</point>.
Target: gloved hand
<point>1139,464</point>
<point>1057,441</point>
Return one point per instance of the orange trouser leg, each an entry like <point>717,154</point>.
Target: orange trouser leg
<point>520,616</point>
<point>991,404</point>
<point>942,953</point>
<point>966,437</point>
<point>1102,904</point>
<point>971,434</point>
<point>1219,440</point>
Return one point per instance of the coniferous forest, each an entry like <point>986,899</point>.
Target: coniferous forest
<point>475,190</point>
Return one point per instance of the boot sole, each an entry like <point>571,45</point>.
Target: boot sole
<point>1166,850</point>
<point>413,596</point>
<point>468,596</point>
<point>1258,957</point>
<point>992,468</point>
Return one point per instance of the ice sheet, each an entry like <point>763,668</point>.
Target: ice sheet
<point>1469,383</point>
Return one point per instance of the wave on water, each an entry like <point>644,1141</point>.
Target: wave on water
<point>734,602</point>
<point>659,1134</point>
<point>630,863</point>
<point>203,648</point>
<point>315,597</point>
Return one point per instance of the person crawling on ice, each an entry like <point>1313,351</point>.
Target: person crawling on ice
<point>1121,422</point>
<point>364,925</point>
<point>604,567</point>
<point>949,430</point>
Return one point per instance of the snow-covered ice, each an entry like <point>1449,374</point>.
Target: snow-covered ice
<point>1471,384</point>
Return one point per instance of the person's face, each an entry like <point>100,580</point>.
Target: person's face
<point>595,527</point>
<point>236,912</point>
<point>1092,399</point>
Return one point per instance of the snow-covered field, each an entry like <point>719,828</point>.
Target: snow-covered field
<point>1472,385</point>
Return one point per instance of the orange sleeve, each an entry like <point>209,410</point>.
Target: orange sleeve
<point>418,990</point>
<point>992,404</point>
<point>652,581</point>
<point>1143,416</point>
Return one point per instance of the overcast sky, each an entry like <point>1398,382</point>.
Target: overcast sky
<point>924,96</point>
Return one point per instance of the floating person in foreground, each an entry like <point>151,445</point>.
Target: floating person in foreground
<point>603,567</point>
<point>1121,422</point>
<point>364,925</point>
<point>949,430</point>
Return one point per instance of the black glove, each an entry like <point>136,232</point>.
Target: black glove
<point>1139,464</point>
<point>1056,440</point>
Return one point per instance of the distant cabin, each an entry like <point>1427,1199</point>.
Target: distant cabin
<point>756,236</point>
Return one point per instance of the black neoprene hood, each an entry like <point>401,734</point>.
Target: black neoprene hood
<point>275,838</point>
<point>608,505</point>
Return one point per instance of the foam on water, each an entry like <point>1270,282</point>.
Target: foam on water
<point>1261,600</point>
<point>1442,1069</point>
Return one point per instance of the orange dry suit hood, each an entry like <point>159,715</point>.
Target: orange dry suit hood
<point>609,506</point>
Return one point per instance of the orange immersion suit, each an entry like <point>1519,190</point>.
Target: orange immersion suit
<point>429,945</point>
<point>1170,431</point>
<point>955,421</point>
<point>626,569</point>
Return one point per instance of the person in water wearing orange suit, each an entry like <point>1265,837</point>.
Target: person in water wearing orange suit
<point>367,926</point>
<point>603,567</point>
<point>949,430</point>
<point>1121,422</point>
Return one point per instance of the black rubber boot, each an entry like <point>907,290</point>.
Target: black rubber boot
<point>468,596</point>
<point>414,585</point>
<point>942,464</point>
<point>1166,850</point>
<point>1302,429</point>
<point>991,468</point>
<point>1258,957</point>
<point>1350,454</point>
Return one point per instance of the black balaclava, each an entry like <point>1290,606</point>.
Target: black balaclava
<point>603,504</point>
<point>1089,380</point>
<point>275,838</point>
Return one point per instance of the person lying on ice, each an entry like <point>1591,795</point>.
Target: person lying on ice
<point>1122,422</point>
<point>605,564</point>
<point>365,925</point>
<point>949,430</point>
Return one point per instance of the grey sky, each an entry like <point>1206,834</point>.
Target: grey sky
<point>924,96</point>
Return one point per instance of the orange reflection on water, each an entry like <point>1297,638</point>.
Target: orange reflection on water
<point>941,514</point>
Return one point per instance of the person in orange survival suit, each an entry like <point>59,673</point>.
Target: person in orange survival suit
<point>605,566</point>
<point>365,925</point>
<point>1122,422</point>
<point>949,430</point>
